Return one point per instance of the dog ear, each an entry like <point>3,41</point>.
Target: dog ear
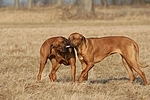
<point>83,40</point>
<point>65,39</point>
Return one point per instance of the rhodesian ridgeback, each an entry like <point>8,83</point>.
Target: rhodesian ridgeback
<point>55,50</point>
<point>94,50</point>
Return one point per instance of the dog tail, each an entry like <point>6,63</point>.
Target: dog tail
<point>142,66</point>
<point>137,56</point>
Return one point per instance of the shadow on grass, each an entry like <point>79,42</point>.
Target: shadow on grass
<point>104,81</point>
<point>67,79</point>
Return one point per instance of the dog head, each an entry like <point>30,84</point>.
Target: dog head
<point>60,43</point>
<point>75,39</point>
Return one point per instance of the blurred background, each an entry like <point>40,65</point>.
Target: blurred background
<point>81,9</point>
<point>26,24</point>
<point>70,2</point>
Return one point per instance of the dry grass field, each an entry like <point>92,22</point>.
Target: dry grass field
<point>22,33</point>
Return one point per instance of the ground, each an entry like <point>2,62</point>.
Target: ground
<point>108,80</point>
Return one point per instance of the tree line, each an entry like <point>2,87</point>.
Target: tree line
<point>84,7</point>
<point>31,3</point>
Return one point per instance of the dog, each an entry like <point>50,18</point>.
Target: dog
<point>94,50</point>
<point>55,49</point>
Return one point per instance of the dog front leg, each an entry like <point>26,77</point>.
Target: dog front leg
<point>72,62</point>
<point>84,65</point>
<point>85,71</point>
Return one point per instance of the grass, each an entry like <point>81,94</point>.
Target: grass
<point>108,80</point>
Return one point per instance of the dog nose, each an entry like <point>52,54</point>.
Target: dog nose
<point>68,44</point>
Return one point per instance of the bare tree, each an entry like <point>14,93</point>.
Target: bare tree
<point>104,3</point>
<point>58,3</point>
<point>138,2</point>
<point>16,4</point>
<point>1,3</point>
<point>47,2</point>
<point>77,2</point>
<point>85,9</point>
<point>119,2</point>
<point>29,4</point>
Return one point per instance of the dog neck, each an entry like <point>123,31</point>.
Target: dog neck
<point>82,46</point>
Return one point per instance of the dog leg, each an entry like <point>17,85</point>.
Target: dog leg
<point>142,74</point>
<point>130,57</point>
<point>129,70</point>
<point>84,65</point>
<point>55,66</point>
<point>42,65</point>
<point>73,68</point>
<point>85,71</point>
<point>135,66</point>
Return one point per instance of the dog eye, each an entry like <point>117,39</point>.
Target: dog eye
<point>74,38</point>
<point>64,42</point>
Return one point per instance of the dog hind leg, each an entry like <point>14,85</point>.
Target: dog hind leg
<point>42,65</point>
<point>129,70</point>
<point>55,67</point>
<point>129,54</point>
<point>138,70</point>
<point>132,62</point>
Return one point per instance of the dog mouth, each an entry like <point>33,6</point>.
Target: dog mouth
<point>65,48</point>
<point>69,44</point>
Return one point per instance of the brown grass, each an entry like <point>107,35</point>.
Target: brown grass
<point>19,61</point>
<point>51,14</point>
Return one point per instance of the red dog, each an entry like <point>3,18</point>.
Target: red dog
<point>55,50</point>
<point>94,50</point>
